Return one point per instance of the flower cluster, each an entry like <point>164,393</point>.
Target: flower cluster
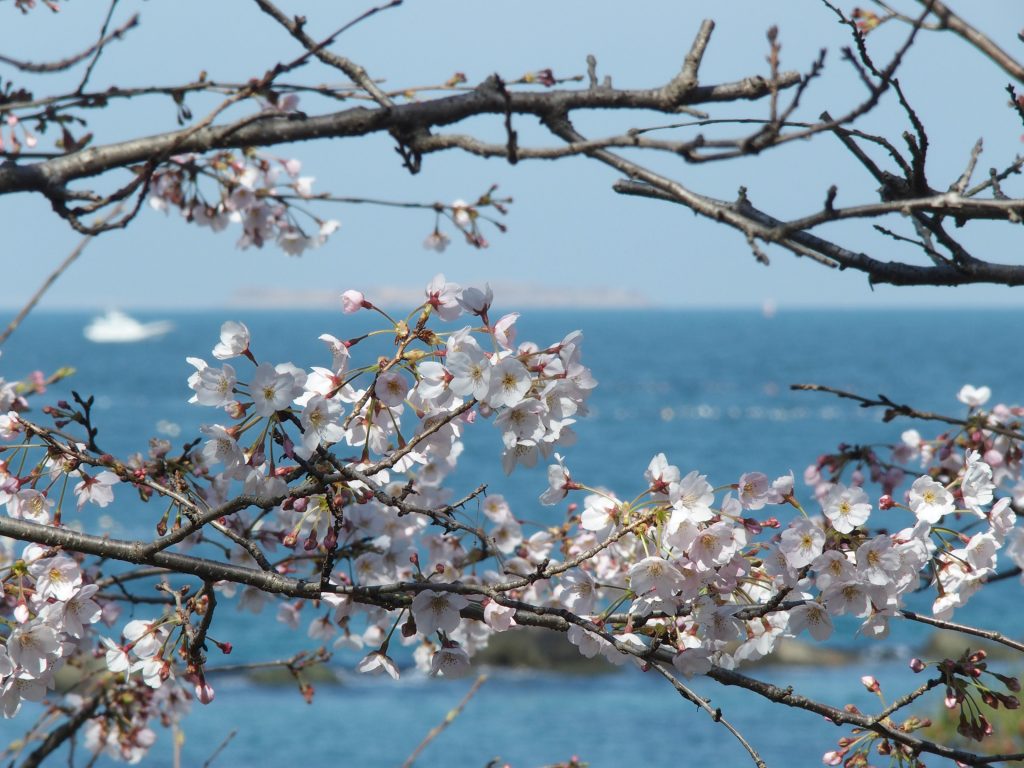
<point>467,217</point>
<point>327,485</point>
<point>52,607</point>
<point>253,189</point>
<point>403,416</point>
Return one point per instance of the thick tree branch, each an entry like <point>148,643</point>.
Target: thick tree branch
<point>51,176</point>
<point>754,222</point>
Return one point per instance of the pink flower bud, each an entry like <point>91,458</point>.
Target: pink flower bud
<point>235,409</point>
<point>204,692</point>
<point>352,301</point>
<point>994,458</point>
<point>886,502</point>
<point>1011,683</point>
<point>917,665</point>
<point>330,539</point>
<point>869,682</point>
<point>311,541</point>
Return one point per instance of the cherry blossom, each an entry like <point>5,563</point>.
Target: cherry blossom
<point>350,468</point>
<point>802,542</point>
<point>437,611</point>
<point>450,661</point>
<point>377,661</point>
<point>974,397</point>
<point>273,388</point>
<point>97,490</point>
<point>234,341</point>
<point>930,500</point>
<point>846,508</point>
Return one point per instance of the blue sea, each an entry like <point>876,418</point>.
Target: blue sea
<point>709,388</point>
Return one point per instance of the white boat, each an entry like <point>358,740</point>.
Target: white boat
<point>116,326</point>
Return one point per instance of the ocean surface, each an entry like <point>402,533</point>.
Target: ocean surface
<point>710,389</point>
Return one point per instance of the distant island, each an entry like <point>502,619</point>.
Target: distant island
<point>509,294</point>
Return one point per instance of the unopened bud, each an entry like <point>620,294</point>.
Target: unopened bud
<point>331,539</point>
<point>1011,683</point>
<point>235,409</point>
<point>204,692</point>
<point>985,726</point>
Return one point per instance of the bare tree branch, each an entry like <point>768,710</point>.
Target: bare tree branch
<point>70,61</point>
<point>955,24</point>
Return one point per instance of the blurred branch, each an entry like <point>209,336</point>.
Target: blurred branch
<point>449,718</point>
<point>49,281</point>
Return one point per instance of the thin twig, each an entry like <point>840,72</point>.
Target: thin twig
<point>220,748</point>
<point>50,280</point>
<point>448,720</point>
<point>99,46</point>
<point>987,634</point>
<point>66,731</point>
<point>895,409</point>
<point>716,713</point>
<point>908,698</point>
<point>70,61</point>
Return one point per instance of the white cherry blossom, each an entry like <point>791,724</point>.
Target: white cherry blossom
<point>435,611</point>
<point>930,500</point>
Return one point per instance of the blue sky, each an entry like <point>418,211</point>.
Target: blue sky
<point>568,231</point>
